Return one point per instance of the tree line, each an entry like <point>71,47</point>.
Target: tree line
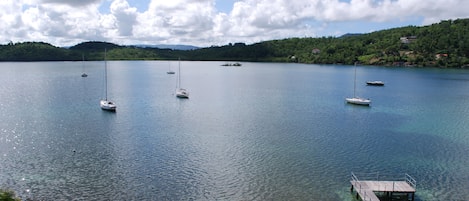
<point>444,44</point>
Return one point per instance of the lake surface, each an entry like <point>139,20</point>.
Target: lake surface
<point>263,131</point>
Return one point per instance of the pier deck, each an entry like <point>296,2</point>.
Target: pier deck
<point>366,188</point>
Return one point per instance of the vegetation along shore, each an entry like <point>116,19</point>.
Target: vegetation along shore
<point>444,45</point>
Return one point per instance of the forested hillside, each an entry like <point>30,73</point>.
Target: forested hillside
<point>34,51</point>
<point>445,44</point>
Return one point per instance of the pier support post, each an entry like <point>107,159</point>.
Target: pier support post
<point>351,188</point>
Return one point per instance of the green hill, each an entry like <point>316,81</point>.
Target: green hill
<point>445,44</point>
<point>94,46</point>
<point>34,51</point>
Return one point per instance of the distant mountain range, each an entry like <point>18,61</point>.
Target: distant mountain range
<point>161,46</point>
<point>172,47</point>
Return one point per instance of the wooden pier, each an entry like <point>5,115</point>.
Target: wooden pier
<point>367,187</point>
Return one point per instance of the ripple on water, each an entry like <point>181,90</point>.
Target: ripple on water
<point>264,132</point>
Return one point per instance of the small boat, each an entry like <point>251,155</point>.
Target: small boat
<point>355,99</point>
<point>83,65</point>
<point>234,64</point>
<point>105,103</point>
<point>180,92</point>
<point>170,72</point>
<point>375,83</point>
<point>358,101</point>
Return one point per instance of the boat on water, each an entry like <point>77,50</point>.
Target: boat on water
<point>170,72</point>
<point>355,99</point>
<point>180,92</point>
<point>375,83</point>
<point>108,105</point>
<point>358,101</point>
<point>83,66</point>
<point>232,64</point>
<point>105,103</point>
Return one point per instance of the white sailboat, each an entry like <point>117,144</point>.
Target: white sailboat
<point>170,71</point>
<point>180,92</point>
<point>105,103</point>
<point>375,83</point>
<point>355,99</point>
<point>83,66</point>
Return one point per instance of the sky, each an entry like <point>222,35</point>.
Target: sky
<point>205,23</point>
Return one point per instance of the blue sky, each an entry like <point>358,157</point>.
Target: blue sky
<point>211,22</point>
<point>224,5</point>
<point>142,5</point>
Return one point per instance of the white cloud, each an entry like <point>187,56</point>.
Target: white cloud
<point>78,3</point>
<point>177,21</point>
<point>197,22</point>
<point>125,17</point>
<point>10,18</point>
<point>59,24</point>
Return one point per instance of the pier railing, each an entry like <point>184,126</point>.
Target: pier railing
<point>411,181</point>
<point>368,176</point>
<point>376,176</point>
<point>367,184</point>
<point>363,190</point>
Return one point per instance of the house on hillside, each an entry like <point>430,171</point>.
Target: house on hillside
<point>408,39</point>
<point>440,56</point>
<point>316,51</point>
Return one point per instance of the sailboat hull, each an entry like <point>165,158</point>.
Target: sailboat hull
<point>358,101</point>
<point>104,103</point>
<point>182,93</point>
<point>107,105</point>
<point>375,83</point>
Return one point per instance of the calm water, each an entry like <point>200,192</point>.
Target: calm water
<point>259,132</point>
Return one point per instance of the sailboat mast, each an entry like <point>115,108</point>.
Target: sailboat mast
<point>179,73</point>
<point>105,74</point>
<point>355,80</point>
